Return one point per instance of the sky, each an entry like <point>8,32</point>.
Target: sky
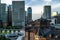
<point>38,5</point>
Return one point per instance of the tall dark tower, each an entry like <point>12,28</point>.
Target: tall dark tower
<point>29,13</point>
<point>10,15</point>
<point>47,12</point>
<point>18,15</point>
<point>0,9</point>
<point>3,14</point>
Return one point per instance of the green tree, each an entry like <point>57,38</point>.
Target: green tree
<point>3,38</point>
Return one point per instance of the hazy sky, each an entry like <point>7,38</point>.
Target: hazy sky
<point>37,5</point>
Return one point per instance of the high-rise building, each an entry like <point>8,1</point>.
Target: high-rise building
<point>58,18</point>
<point>1,24</point>
<point>10,15</point>
<point>29,13</point>
<point>0,1</point>
<point>47,12</point>
<point>3,14</point>
<point>26,18</point>
<point>0,9</point>
<point>18,15</point>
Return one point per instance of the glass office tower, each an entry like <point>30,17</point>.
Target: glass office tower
<point>29,13</point>
<point>47,12</point>
<point>18,15</point>
<point>3,14</point>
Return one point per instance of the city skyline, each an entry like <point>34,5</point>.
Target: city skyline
<point>18,15</point>
<point>30,19</point>
<point>38,6</point>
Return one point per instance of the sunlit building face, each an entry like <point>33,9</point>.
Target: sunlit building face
<point>54,14</point>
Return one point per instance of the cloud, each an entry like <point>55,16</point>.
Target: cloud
<point>26,6</point>
<point>33,0</point>
<point>3,1</point>
<point>17,0</point>
<point>37,9</point>
<point>7,1</point>
<point>47,2</point>
<point>30,2</point>
<point>56,5</point>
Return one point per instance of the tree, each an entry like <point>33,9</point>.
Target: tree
<point>3,38</point>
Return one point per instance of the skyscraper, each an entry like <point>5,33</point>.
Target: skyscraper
<point>3,14</point>
<point>25,17</point>
<point>1,24</point>
<point>0,1</point>
<point>0,9</point>
<point>29,13</point>
<point>10,15</point>
<point>18,15</point>
<point>47,12</point>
